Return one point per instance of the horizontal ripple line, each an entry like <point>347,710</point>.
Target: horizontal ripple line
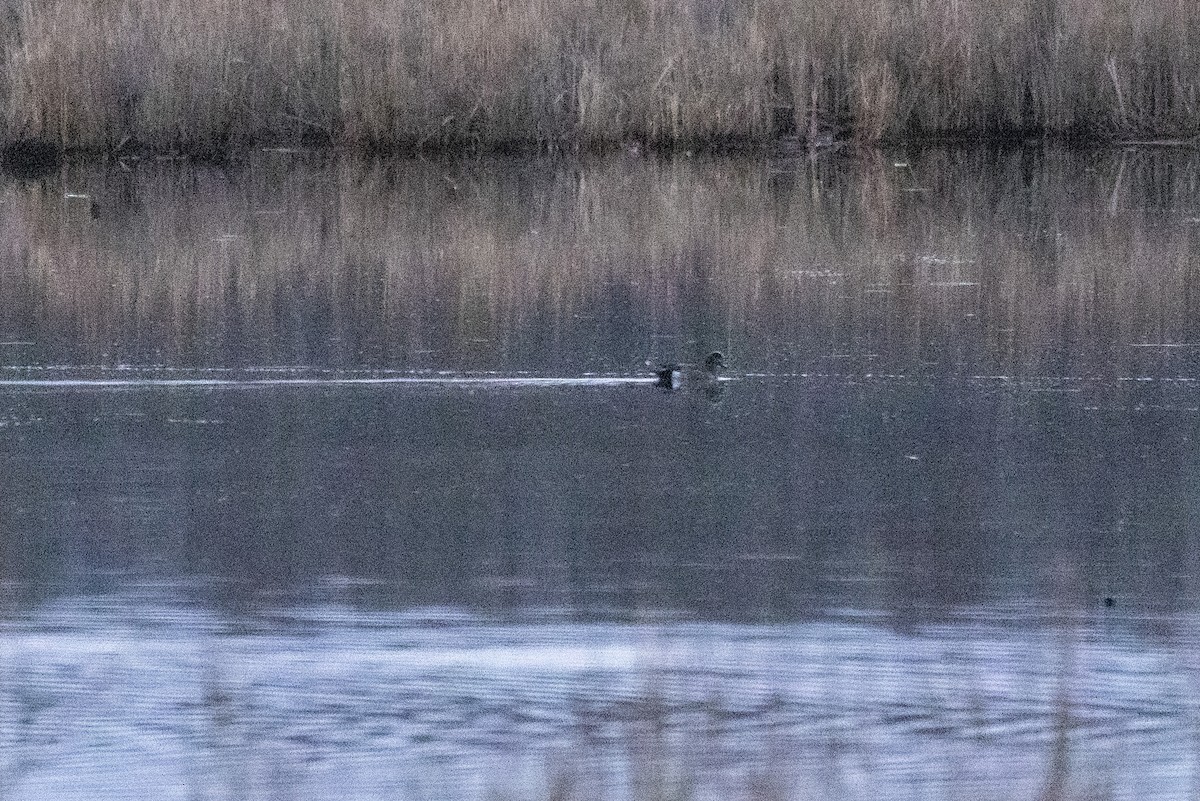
<point>135,383</point>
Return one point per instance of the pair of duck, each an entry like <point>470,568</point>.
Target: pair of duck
<point>675,376</point>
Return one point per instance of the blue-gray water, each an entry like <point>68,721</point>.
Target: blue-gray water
<point>343,480</point>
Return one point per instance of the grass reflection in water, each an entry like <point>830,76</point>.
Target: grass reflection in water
<point>1059,264</point>
<point>327,702</point>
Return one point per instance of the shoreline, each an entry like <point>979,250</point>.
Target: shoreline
<point>36,157</point>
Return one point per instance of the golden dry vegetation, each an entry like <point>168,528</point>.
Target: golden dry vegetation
<point>217,75</point>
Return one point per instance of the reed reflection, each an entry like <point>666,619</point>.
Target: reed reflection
<point>1055,264</point>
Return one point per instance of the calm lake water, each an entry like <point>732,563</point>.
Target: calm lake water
<point>332,479</point>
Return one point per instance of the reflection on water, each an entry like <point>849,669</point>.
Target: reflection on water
<point>344,480</point>
<point>783,498</point>
<point>325,701</point>
<point>965,263</point>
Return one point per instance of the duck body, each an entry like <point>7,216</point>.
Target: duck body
<point>669,377</point>
<point>676,376</point>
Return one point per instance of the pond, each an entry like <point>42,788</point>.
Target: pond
<point>328,478</point>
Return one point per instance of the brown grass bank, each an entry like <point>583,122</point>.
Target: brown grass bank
<point>214,75</point>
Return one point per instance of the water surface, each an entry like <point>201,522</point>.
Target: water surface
<point>339,479</point>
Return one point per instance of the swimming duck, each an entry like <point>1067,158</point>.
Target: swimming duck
<point>674,376</point>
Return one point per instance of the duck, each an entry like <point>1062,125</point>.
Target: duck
<point>675,376</point>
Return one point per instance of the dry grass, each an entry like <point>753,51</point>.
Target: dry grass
<point>583,74</point>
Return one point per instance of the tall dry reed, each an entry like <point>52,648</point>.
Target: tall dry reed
<point>213,75</point>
